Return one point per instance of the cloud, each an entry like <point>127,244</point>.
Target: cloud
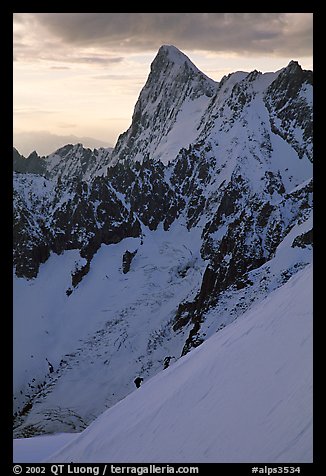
<point>59,67</point>
<point>97,59</point>
<point>114,77</point>
<point>65,125</point>
<point>51,50</point>
<point>27,111</point>
<point>283,34</point>
<point>34,40</point>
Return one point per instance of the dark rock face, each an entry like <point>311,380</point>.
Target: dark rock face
<point>30,248</point>
<point>79,273</point>
<point>127,258</point>
<point>147,191</point>
<point>288,108</point>
<point>251,238</point>
<point>92,215</point>
<point>150,196</point>
<point>304,240</point>
<point>33,164</point>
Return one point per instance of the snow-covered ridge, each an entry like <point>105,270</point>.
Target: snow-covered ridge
<point>67,163</point>
<point>245,395</point>
<point>179,105</point>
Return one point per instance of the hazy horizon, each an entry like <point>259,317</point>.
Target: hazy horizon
<point>45,143</point>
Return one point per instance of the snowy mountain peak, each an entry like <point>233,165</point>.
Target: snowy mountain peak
<point>33,155</point>
<point>175,90</point>
<point>72,151</point>
<point>170,55</point>
<point>66,148</point>
<point>170,65</point>
<point>293,66</point>
<point>172,52</point>
<point>294,69</point>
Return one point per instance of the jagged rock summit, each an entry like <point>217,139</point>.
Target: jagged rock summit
<point>174,91</point>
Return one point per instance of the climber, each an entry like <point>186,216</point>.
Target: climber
<point>138,381</point>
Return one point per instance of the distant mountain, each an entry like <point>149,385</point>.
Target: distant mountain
<point>125,257</point>
<point>45,142</point>
<point>32,164</point>
<point>67,163</point>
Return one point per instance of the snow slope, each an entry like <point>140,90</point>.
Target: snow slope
<point>30,450</point>
<point>245,395</point>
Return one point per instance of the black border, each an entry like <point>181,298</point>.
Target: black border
<point>6,247</point>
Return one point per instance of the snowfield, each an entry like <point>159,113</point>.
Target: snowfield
<point>244,395</point>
